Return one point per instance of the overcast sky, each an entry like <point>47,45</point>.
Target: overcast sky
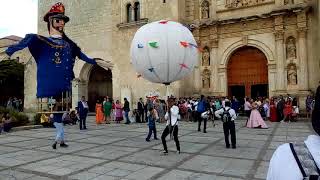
<point>18,17</point>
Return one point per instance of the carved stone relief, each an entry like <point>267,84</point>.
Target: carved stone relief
<point>206,78</point>
<point>242,3</point>
<point>206,57</point>
<point>288,2</point>
<point>291,50</point>
<point>205,7</point>
<point>292,74</point>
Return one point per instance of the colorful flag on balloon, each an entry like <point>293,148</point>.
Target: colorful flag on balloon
<point>154,44</point>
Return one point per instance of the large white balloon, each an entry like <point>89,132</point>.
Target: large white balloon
<point>164,51</point>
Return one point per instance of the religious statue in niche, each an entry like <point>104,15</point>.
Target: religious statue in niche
<point>206,57</point>
<point>291,48</point>
<point>205,10</point>
<point>292,74</point>
<point>206,79</point>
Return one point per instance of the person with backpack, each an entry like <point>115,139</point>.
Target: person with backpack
<point>300,159</point>
<point>201,108</point>
<point>228,115</point>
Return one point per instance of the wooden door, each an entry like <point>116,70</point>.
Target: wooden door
<point>99,86</point>
<point>247,67</point>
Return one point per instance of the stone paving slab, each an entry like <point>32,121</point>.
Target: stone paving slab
<point>154,158</point>
<point>240,152</point>
<point>136,142</point>
<point>4,149</point>
<point>31,144</point>
<point>119,170</point>
<point>22,157</point>
<point>219,165</point>
<point>73,147</point>
<point>187,175</point>
<point>62,165</point>
<point>18,175</point>
<point>187,147</point>
<point>108,152</point>
<point>262,170</point>
<point>9,138</point>
<point>100,140</point>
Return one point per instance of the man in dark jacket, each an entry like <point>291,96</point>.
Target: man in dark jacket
<point>126,108</point>
<point>83,112</point>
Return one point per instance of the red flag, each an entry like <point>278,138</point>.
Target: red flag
<point>184,66</point>
<point>163,22</point>
<point>184,44</point>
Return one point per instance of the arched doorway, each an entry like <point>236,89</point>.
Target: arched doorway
<point>248,73</point>
<point>99,85</point>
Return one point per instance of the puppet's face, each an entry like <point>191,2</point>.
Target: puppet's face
<point>57,25</point>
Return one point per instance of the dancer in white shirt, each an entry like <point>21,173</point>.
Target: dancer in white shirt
<point>172,125</point>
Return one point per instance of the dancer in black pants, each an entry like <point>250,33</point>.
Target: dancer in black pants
<point>172,125</point>
<point>228,116</point>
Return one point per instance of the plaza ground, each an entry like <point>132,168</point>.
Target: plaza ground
<point>119,151</point>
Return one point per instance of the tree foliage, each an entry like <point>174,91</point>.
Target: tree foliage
<point>11,79</point>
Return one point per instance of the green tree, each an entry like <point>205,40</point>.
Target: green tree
<point>11,80</point>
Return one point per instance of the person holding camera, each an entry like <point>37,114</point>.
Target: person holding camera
<point>228,115</point>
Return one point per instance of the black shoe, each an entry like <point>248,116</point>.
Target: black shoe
<point>164,152</point>
<point>54,146</point>
<point>228,147</point>
<point>63,145</point>
<point>85,128</point>
<point>204,131</point>
<point>156,139</point>
<point>148,140</point>
<point>199,130</point>
<point>178,152</point>
<point>234,147</point>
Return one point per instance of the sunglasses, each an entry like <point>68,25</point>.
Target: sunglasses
<point>58,20</point>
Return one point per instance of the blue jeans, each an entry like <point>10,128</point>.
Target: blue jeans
<point>126,114</point>
<point>59,132</point>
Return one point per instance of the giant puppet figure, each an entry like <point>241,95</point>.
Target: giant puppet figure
<point>55,55</point>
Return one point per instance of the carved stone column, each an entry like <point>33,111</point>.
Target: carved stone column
<point>303,79</point>
<point>75,92</point>
<point>214,64</point>
<point>280,86</point>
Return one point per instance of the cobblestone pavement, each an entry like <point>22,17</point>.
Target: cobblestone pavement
<point>119,151</point>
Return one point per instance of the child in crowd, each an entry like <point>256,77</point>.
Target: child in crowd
<point>152,116</point>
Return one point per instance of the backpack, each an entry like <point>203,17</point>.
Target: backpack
<point>305,161</point>
<point>226,117</point>
<point>201,106</point>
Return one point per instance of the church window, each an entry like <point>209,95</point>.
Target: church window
<point>205,9</point>
<point>136,11</point>
<point>129,13</point>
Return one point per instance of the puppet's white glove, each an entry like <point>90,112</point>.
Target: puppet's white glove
<point>104,64</point>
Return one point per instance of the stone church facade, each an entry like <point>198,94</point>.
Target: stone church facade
<point>250,47</point>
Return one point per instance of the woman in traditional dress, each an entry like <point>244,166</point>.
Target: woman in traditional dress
<point>107,110</point>
<point>118,109</point>
<point>287,111</point>
<point>273,111</point>
<point>99,113</point>
<point>255,120</point>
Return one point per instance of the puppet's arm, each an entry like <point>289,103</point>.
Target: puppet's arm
<point>103,63</point>
<point>25,42</point>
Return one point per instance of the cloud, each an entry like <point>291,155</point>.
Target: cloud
<point>18,17</point>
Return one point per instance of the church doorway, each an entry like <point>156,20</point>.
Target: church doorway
<point>247,73</point>
<point>99,86</point>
